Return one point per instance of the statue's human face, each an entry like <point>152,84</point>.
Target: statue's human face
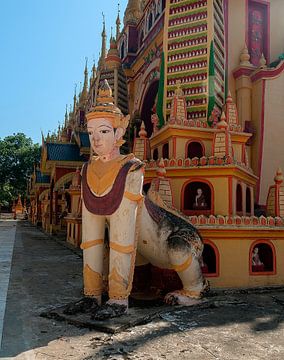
<point>102,137</point>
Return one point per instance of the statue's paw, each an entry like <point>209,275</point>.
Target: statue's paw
<point>84,305</point>
<point>171,299</point>
<point>176,298</point>
<point>109,311</point>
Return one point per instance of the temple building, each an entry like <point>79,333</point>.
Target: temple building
<point>203,82</point>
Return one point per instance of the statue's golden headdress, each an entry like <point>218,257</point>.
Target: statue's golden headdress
<point>105,108</point>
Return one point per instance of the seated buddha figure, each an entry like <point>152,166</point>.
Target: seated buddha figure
<point>200,201</point>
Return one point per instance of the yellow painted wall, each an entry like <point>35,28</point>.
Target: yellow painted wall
<point>236,39</point>
<point>273,144</point>
<point>234,263</point>
<point>237,151</point>
<point>256,120</point>
<point>221,193</point>
<point>276,29</point>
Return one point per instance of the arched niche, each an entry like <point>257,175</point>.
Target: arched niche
<point>210,259</point>
<point>262,258</point>
<point>122,50</point>
<point>197,198</point>
<point>239,198</point>
<point>155,154</point>
<point>165,151</point>
<point>194,149</point>
<point>148,105</point>
<point>248,200</point>
<point>64,181</point>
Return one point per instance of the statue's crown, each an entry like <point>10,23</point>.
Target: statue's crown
<point>105,108</point>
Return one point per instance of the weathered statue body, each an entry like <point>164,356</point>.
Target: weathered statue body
<point>112,196</point>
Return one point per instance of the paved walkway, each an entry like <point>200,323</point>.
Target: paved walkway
<point>45,274</point>
<point>7,240</point>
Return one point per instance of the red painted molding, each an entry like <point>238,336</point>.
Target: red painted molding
<point>243,71</point>
<point>268,73</point>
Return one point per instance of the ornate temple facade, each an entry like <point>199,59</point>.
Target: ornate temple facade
<point>203,81</point>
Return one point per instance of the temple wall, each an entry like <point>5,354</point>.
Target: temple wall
<point>234,259</point>
<point>256,121</point>
<point>276,29</point>
<point>273,148</point>
<point>236,38</point>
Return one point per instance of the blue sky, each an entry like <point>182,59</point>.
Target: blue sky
<point>43,48</point>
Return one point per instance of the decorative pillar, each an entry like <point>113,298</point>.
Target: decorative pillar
<point>162,186</point>
<point>178,107</point>
<point>275,198</point>
<point>141,147</point>
<point>222,145</point>
<point>244,87</point>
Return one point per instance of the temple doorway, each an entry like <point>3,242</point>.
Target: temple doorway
<point>148,105</point>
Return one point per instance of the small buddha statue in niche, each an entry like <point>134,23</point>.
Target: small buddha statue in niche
<point>255,258</point>
<point>200,201</point>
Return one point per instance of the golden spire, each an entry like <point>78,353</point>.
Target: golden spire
<point>84,93</point>
<point>133,12</point>
<point>118,22</point>
<point>94,74</point>
<point>74,100</point>
<point>103,50</point>
<point>66,118</point>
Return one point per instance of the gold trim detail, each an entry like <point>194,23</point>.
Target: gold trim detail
<point>118,287</point>
<point>133,197</point>
<point>125,249</point>
<point>93,282</point>
<point>184,266</point>
<point>87,244</point>
<point>101,175</point>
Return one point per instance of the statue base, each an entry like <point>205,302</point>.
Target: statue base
<point>139,312</point>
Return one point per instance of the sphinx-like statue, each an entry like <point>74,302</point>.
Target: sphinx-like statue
<point>138,227</point>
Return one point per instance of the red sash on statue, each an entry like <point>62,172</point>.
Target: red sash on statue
<point>109,203</point>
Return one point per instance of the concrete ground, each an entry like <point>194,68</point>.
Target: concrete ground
<point>45,274</point>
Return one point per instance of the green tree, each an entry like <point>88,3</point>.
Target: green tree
<point>17,157</point>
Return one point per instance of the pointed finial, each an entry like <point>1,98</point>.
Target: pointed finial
<point>74,98</point>
<point>262,62</point>
<point>118,22</point>
<point>104,22</point>
<point>222,124</point>
<point>66,117</point>
<point>229,98</point>
<point>279,176</point>
<point>245,57</point>
<point>142,133</point>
